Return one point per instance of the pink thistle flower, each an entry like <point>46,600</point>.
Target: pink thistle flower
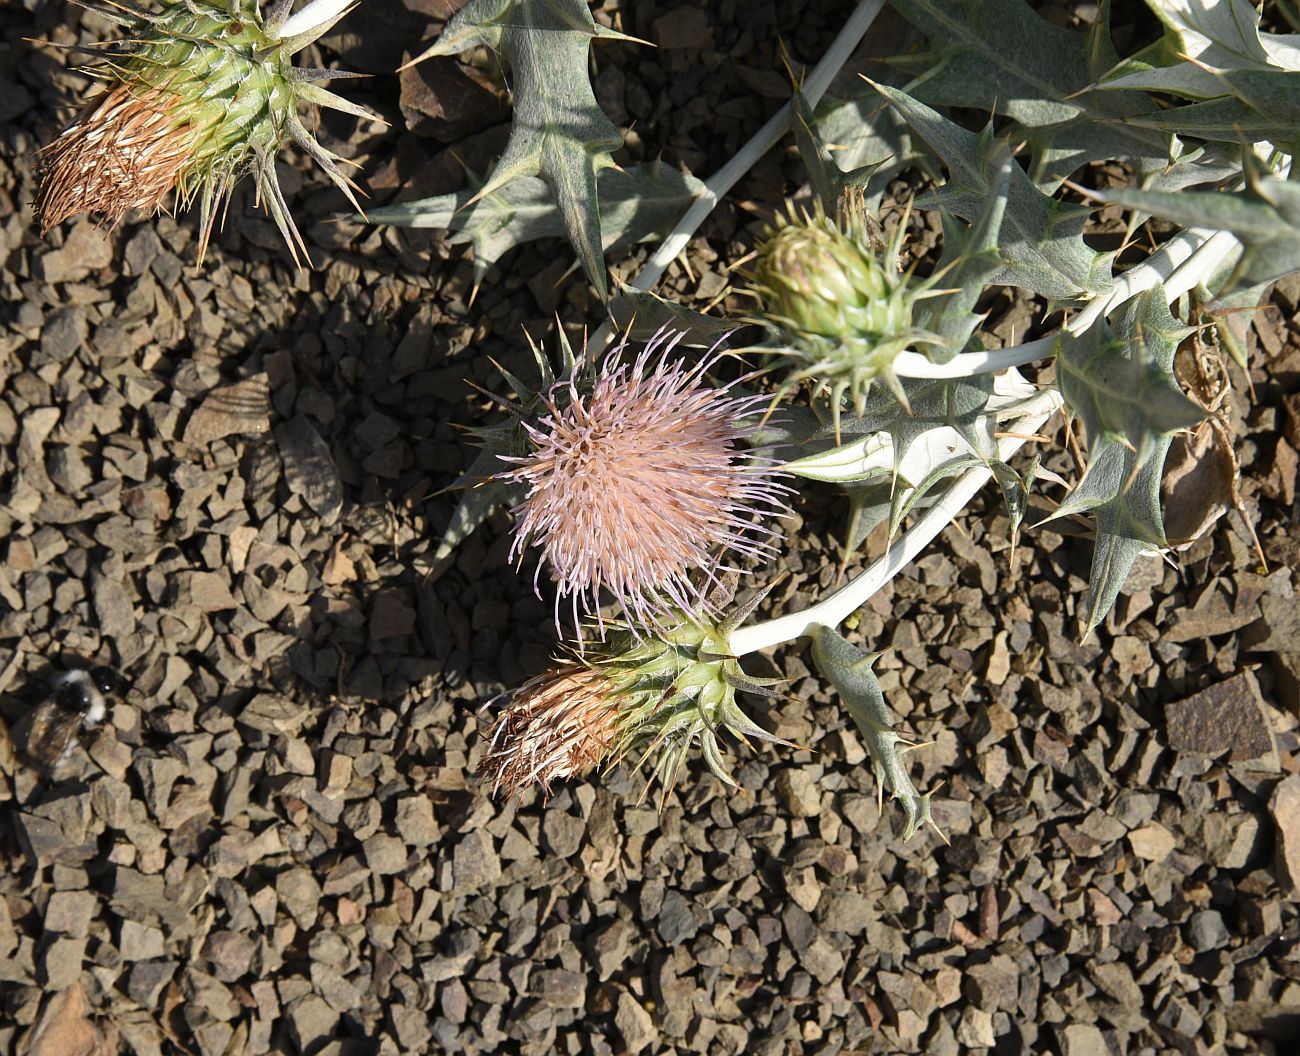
<point>557,724</point>
<point>638,483</point>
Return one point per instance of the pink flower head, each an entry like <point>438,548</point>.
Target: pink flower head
<point>637,484</point>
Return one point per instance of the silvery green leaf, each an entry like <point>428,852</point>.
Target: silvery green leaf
<point>1201,40</point>
<point>830,183</point>
<point>559,131</point>
<point>1126,455</point>
<point>1041,238</point>
<point>867,134</point>
<point>636,204</point>
<point>1003,57</point>
<point>970,260</point>
<point>1118,388</point>
<point>890,458</point>
<point>1252,105</point>
<point>1265,216</point>
<point>849,671</point>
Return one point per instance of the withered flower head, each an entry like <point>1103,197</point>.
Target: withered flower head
<point>638,479</point>
<point>200,93</point>
<point>649,697</point>
<point>555,726</point>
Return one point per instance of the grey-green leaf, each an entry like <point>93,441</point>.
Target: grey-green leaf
<point>636,204</point>
<point>1121,486</point>
<point>1041,238</point>
<point>1004,57</point>
<point>849,671</point>
<point>1121,385</point>
<point>559,131</point>
<point>1265,216</point>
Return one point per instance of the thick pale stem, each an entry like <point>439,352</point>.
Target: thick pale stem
<point>968,364</point>
<point>832,610</point>
<point>813,88</point>
<point>315,15</point>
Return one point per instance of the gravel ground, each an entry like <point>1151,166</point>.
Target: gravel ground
<point>226,483</point>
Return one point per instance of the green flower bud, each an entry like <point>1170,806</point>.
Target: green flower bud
<point>841,312</point>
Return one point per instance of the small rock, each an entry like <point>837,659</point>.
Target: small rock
<point>975,1029</point>
<point>309,467</point>
<point>1082,1039</point>
<point>244,407</point>
<point>799,793</point>
<point>230,953</point>
<point>64,332</point>
<point>147,980</point>
<point>563,833</point>
<point>1230,839</point>
<point>609,948</point>
<point>1152,843</point>
<point>447,100</point>
<point>683,27</point>
<point>1227,717</point>
<point>415,821</point>
<point>676,921</point>
<point>62,962</point>
<point>634,1023</point>
<point>1285,808</point>
<point>69,913</point>
<point>312,1022</point>
<point>474,862</point>
<point>299,894</point>
<point>563,989</point>
<point>1206,931</point>
<point>823,961</point>
<point>385,855</point>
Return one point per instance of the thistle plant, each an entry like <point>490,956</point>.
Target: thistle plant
<point>198,94</point>
<point>922,412</point>
<point>640,477</point>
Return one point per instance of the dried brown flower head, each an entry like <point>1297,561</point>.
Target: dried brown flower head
<point>555,726</point>
<point>124,152</point>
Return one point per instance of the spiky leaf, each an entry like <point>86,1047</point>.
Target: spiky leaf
<point>849,670</point>
<point>1202,40</point>
<point>1041,238</point>
<point>970,260</point>
<point>1265,216</point>
<point>1116,387</point>
<point>636,203</point>
<point>1002,56</point>
<point>1121,486</point>
<point>865,134</point>
<point>559,131</point>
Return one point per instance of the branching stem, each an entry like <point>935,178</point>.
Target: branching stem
<point>833,609</point>
<point>716,187</point>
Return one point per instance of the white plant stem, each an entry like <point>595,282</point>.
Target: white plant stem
<point>833,609</point>
<point>716,187</point>
<point>968,364</point>
<point>317,13</point>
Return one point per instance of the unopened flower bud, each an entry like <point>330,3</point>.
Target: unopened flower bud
<point>842,313</point>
